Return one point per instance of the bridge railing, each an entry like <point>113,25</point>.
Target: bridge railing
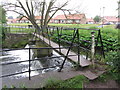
<point>49,31</point>
<point>75,40</point>
<point>58,33</point>
<point>30,60</point>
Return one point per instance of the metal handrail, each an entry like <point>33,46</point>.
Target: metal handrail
<point>59,34</point>
<point>35,59</point>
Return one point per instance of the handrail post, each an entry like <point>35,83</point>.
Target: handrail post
<point>58,38</point>
<point>48,33</point>
<point>29,64</point>
<point>68,51</point>
<point>93,49</point>
<point>101,44</point>
<point>78,47</point>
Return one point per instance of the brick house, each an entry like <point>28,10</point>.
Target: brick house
<point>110,19</point>
<point>70,19</point>
<point>12,20</point>
<point>90,21</point>
<point>23,20</point>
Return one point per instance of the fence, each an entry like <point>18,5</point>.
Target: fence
<point>29,60</point>
<point>18,29</point>
<point>48,32</point>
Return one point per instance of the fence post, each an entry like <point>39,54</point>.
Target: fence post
<point>93,49</point>
<point>101,44</point>
<point>58,38</point>
<point>48,33</point>
<point>68,51</point>
<point>29,64</point>
<point>78,47</point>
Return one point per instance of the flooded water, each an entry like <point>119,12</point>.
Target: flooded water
<point>23,55</point>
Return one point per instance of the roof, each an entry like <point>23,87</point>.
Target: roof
<point>36,17</point>
<point>111,18</point>
<point>70,16</point>
<point>90,20</point>
<point>12,20</point>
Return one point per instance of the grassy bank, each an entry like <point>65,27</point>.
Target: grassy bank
<point>16,40</point>
<point>75,82</point>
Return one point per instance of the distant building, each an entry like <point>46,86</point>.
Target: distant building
<point>90,21</point>
<point>23,20</point>
<point>70,19</point>
<point>9,21</point>
<point>110,19</point>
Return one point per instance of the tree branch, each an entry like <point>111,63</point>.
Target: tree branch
<point>23,8</point>
<point>48,11</point>
<point>57,10</point>
<point>42,16</point>
<point>28,8</point>
<point>32,8</point>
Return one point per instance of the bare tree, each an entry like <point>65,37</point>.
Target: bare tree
<point>28,9</point>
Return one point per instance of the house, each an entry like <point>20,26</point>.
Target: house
<point>90,21</point>
<point>70,19</point>
<point>9,21</point>
<point>110,19</point>
<point>38,19</point>
<point>23,20</point>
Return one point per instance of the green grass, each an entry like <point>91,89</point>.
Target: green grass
<point>20,30</point>
<point>20,24</point>
<point>75,82</point>
<point>75,25</point>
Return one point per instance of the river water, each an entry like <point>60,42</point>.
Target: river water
<point>22,55</point>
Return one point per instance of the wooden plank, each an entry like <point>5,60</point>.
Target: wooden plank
<point>83,61</point>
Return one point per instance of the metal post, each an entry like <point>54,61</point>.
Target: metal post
<point>42,32</point>
<point>68,51</point>
<point>102,45</point>
<point>29,65</point>
<point>78,47</point>
<point>48,31</point>
<point>93,49</point>
<point>58,38</point>
<point>96,44</point>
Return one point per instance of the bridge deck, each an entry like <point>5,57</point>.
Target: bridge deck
<point>83,61</point>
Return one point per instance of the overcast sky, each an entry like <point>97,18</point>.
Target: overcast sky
<point>90,7</point>
<point>95,7</point>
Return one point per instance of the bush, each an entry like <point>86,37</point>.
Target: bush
<point>2,33</point>
<point>113,59</point>
<point>109,37</point>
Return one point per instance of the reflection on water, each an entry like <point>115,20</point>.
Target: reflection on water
<point>22,55</point>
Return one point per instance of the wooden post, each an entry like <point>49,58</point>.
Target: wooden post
<point>93,49</point>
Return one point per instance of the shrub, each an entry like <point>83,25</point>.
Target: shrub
<point>113,59</point>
